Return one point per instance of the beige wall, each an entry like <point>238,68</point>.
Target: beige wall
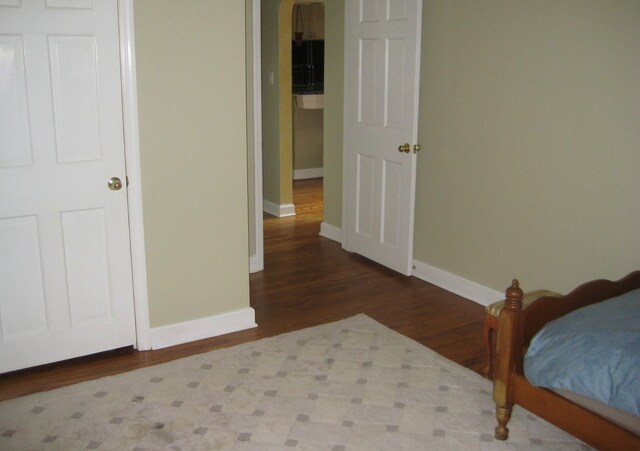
<point>192,117</point>
<point>285,101</point>
<point>529,115</point>
<point>277,104</point>
<point>307,138</point>
<point>333,109</point>
<point>270,106</point>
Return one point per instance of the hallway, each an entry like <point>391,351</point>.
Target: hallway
<point>309,280</point>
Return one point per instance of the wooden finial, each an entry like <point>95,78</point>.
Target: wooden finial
<point>514,296</point>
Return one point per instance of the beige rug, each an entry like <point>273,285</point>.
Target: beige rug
<point>349,385</point>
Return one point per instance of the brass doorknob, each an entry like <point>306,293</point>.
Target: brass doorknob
<point>417,148</point>
<point>115,184</point>
<point>406,148</point>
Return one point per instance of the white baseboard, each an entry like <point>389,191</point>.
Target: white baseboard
<point>212,326</point>
<point>332,232</point>
<point>254,264</point>
<point>311,173</point>
<point>278,210</point>
<point>456,284</point>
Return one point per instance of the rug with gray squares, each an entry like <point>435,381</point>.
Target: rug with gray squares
<point>349,385</point>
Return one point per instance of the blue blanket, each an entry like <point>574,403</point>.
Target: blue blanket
<point>593,351</point>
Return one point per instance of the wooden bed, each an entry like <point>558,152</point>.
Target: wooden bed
<point>516,328</point>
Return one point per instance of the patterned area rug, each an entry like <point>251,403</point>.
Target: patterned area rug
<point>349,385</point>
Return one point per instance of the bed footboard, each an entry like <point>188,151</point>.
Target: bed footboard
<point>516,327</point>
<point>508,348</point>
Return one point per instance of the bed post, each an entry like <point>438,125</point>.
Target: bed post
<point>506,348</point>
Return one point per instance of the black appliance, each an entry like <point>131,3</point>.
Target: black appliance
<point>308,66</point>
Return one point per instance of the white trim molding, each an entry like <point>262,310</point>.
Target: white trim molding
<point>279,210</point>
<point>311,173</point>
<point>456,284</point>
<point>134,173</point>
<point>199,329</point>
<point>330,231</point>
<point>255,264</point>
<point>256,261</point>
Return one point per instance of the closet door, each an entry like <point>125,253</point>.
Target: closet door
<point>65,261</point>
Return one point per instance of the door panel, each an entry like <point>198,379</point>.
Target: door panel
<point>381,90</point>
<point>367,81</point>
<point>15,138</point>
<point>20,261</point>
<point>395,84</point>
<point>365,191</point>
<point>392,189</point>
<point>65,279</point>
<point>82,4</point>
<point>85,254</point>
<point>75,97</point>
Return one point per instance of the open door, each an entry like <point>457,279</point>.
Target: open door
<point>382,55</point>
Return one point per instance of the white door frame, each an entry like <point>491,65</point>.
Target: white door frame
<point>256,261</point>
<point>132,160</point>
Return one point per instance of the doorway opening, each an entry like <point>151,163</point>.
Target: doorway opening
<point>271,158</point>
<point>300,82</point>
<point>307,67</point>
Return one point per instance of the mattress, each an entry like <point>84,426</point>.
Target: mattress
<point>593,351</point>
<point>626,420</point>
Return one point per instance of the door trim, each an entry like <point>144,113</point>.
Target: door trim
<point>256,261</point>
<point>132,161</point>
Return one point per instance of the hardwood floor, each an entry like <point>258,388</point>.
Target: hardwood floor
<point>307,280</point>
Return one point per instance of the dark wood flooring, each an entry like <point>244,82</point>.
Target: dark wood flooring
<point>307,280</point>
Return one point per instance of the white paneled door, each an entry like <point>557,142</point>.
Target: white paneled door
<point>65,263</point>
<point>382,52</point>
